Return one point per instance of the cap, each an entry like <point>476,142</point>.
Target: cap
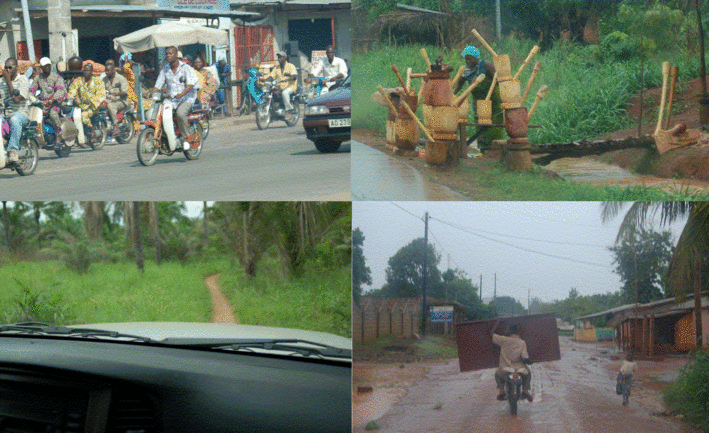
<point>282,54</point>
<point>44,61</point>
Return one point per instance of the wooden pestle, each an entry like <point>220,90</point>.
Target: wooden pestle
<point>665,73</point>
<point>455,79</point>
<point>413,116</point>
<point>386,98</point>
<point>492,87</point>
<point>484,43</point>
<point>673,79</point>
<point>470,88</point>
<point>540,95</point>
<point>408,80</point>
<point>401,80</point>
<point>529,58</point>
<point>537,67</point>
<point>424,54</point>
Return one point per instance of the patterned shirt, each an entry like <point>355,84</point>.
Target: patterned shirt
<point>207,86</point>
<point>174,87</point>
<point>22,84</point>
<point>119,84</point>
<point>88,95</point>
<point>129,75</point>
<point>53,87</point>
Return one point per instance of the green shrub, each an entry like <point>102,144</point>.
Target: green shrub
<point>690,394</point>
<point>33,306</point>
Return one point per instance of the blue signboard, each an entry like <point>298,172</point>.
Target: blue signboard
<point>441,314</point>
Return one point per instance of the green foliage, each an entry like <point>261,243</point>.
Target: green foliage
<point>404,275</point>
<point>361,274</point>
<point>690,394</point>
<point>576,305</point>
<point>643,258</point>
<point>508,306</point>
<point>30,305</point>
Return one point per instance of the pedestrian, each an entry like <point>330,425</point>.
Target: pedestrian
<point>475,67</point>
<point>625,376</point>
<point>224,72</point>
<point>206,82</point>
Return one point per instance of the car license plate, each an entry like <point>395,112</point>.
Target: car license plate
<point>338,123</point>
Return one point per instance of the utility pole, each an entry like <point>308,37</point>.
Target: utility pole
<point>494,296</point>
<point>529,294</point>
<point>425,272</point>
<point>498,25</point>
<point>28,31</point>
<point>481,287</point>
<point>61,38</point>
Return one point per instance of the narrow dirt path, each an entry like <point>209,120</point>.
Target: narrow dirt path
<point>221,310</point>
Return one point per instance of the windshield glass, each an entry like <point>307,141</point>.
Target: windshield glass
<point>166,271</point>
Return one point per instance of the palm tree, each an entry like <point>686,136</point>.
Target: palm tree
<point>692,246</point>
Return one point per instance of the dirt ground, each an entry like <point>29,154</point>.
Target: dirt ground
<point>221,310</point>
<point>575,394</point>
<point>679,169</point>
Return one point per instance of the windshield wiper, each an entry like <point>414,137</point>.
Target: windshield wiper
<point>43,329</point>
<point>301,347</point>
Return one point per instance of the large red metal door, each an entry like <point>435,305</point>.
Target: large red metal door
<point>254,45</point>
<point>476,351</point>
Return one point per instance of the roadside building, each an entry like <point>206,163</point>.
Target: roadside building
<point>658,327</point>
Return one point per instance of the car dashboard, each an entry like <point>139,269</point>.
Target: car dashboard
<point>64,385</point>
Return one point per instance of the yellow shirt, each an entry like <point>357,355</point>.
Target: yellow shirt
<point>278,74</point>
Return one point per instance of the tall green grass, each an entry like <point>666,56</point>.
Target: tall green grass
<point>586,97</point>
<point>318,301</point>
<point>690,394</point>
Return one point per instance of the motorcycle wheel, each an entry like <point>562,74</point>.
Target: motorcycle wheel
<point>194,153</point>
<point>292,120</point>
<point>62,150</point>
<point>97,141</point>
<point>29,155</point>
<point>147,152</point>
<point>263,118</point>
<point>126,131</point>
<point>205,126</point>
<point>512,398</point>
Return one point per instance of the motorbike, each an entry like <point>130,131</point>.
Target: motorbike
<point>29,148</point>
<point>513,386</point>
<point>126,130</point>
<point>48,135</point>
<point>272,108</point>
<point>201,115</point>
<point>250,93</point>
<point>153,140</point>
<point>317,87</point>
<point>97,131</point>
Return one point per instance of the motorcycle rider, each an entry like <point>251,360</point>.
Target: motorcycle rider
<point>89,92</point>
<point>53,90</point>
<point>116,93</point>
<point>513,353</point>
<point>331,68</point>
<point>287,70</point>
<point>183,94</point>
<point>17,107</point>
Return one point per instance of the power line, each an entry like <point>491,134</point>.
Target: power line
<point>417,217</point>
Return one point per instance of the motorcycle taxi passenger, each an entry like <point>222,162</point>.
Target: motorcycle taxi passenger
<point>17,108</point>
<point>116,94</point>
<point>53,90</point>
<point>288,73</point>
<point>513,353</point>
<point>89,92</point>
<point>181,81</point>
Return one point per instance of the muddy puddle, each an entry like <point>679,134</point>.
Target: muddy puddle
<point>591,171</point>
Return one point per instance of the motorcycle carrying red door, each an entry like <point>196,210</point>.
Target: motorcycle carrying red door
<point>476,351</point>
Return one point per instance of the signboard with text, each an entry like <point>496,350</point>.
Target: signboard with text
<point>442,314</point>
<point>212,5</point>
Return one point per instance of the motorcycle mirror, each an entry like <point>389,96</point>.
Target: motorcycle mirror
<point>16,93</point>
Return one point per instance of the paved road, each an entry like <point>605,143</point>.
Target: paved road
<point>238,162</point>
<point>576,394</point>
<point>377,176</point>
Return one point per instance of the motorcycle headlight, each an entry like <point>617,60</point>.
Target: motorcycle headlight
<point>316,109</point>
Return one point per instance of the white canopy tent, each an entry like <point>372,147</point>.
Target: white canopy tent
<point>169,34</point>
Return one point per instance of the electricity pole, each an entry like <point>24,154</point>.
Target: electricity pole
<point>425,271</point>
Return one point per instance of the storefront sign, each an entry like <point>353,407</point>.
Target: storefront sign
<point>442,314</point>
<point>213,5</point>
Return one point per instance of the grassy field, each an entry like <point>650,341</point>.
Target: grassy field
<point>47,291</point>
<point>396,349</point>
<point>318,301</point>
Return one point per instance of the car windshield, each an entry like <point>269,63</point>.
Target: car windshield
<point>202,275</point>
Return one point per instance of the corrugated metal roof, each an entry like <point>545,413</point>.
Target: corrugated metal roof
<point>660,308</point>
<point>117,9</point>
<point>294,2</point>
<point>422,10</point>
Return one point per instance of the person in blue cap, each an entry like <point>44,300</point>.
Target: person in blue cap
<point>475,67</point>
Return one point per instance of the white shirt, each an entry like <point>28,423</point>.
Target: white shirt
<point>628,367</point>
<point>329,70</point>
<point>512,350</point>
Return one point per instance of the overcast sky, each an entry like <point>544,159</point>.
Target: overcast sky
<point>545,247</point>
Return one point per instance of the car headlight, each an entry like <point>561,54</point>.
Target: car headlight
<point>316,109</point>
<point>346,108</point>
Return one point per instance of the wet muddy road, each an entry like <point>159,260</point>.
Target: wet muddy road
<point>576,395</point>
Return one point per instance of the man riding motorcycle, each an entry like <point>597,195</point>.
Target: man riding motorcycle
<point>331,68</point>
<point>116,94</point>
<point>181,82</point>
<point>17,108</point>
<point>288,73</point>
<point>513,353</point>
<point>53,90</point>
<point>89,92</point>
